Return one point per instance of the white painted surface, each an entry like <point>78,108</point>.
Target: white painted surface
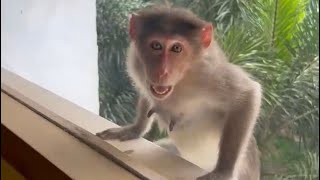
<point>53,43</point>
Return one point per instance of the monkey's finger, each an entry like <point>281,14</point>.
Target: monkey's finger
<point>107,134</point>
<point>113,136</point>
<point>100,134</point>
<point>111,130</point>
<point>203,178</point>
<point>128,136</point>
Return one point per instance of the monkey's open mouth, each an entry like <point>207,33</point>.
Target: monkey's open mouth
<point>160,91</point>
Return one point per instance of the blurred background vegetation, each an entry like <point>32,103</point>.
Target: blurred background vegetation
<point>277,41</point>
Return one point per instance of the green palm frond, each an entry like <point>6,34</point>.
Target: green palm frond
<point>308,169</point>
<point>222,13</point>
<point>277,20</point>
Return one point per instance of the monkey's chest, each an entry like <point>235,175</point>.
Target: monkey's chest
<point>195,131</point>
<point>189,115</point>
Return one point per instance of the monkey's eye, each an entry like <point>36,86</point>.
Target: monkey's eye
<point>176,48</point>
<point>156,45</point>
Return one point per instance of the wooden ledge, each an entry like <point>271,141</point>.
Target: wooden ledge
<point>137,158</point>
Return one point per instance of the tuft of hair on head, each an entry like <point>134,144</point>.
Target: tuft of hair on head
<point>169,20</point>
<point>167,11</point>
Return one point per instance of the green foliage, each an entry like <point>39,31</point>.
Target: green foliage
<point>116,94</point>
<point>117,97</point>
<point>277,41</point>
<point>306,169</point>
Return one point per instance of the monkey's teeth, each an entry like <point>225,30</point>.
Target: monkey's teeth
<point>160,90</point>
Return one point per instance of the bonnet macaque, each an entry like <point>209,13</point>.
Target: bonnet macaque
<point>208,106</point>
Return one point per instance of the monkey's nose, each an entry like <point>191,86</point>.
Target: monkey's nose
<point>163,73</point>
<point>163,76</point>
<point>160,76</point>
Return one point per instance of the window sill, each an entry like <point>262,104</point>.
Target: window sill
<point>139,157</point>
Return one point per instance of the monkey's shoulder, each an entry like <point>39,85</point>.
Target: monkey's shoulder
<point>235,78</point>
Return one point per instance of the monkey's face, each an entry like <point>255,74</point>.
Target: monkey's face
<point>166,60</point>
<point>168,47</point>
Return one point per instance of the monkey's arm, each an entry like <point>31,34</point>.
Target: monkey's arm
<point>237,132</point>
<point>133,131</point>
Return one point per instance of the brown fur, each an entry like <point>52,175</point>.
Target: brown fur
<point>214,103</point>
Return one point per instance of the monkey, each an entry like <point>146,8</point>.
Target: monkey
<point>185,83</point>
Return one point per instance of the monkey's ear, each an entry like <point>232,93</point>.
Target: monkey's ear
<point>133,26</point>
<point>206,35</point>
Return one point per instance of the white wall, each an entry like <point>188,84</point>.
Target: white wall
<point>53,43</point>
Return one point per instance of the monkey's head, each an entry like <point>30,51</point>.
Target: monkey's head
<point>169,41</point>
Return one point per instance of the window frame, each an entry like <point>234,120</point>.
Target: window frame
<point>140,157</point>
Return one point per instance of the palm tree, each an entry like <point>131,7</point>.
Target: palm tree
<point>275,40</point>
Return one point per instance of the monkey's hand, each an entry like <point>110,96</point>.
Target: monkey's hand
<point>123,133</point>
<point>216,176</point>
